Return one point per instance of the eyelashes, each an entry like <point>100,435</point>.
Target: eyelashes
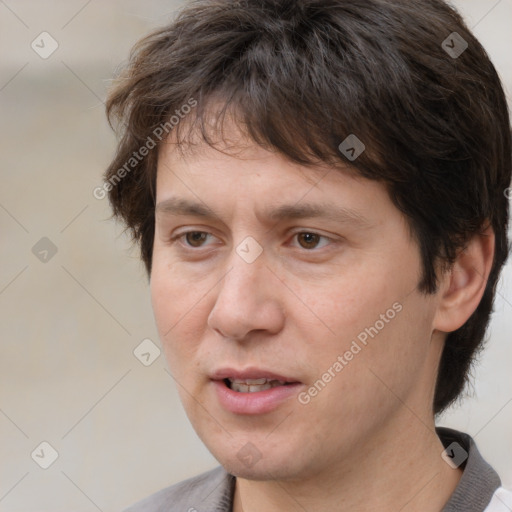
<point>194,239</point>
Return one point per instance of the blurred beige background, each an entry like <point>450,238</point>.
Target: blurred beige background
<point>70,321</point>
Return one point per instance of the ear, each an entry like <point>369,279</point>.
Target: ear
<point>463,286</point>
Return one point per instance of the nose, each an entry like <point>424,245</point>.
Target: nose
<point>248,300</point>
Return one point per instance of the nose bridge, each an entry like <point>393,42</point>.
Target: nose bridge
<point>247,266</point>
<point>242,285</point>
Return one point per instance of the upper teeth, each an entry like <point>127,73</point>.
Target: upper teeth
<point>253,385</point>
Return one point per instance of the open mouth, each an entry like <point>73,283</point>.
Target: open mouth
<point>254,385</point>
<point>253,391</point>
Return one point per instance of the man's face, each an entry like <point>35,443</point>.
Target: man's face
<point>301,283</point>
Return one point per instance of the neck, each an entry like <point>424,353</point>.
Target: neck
<point>402,469</point>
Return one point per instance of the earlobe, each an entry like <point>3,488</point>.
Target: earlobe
<point>463,285</point>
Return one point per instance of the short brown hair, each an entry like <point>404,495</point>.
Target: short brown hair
<point>302,75</point>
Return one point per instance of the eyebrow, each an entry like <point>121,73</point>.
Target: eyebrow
<point>179,206</point>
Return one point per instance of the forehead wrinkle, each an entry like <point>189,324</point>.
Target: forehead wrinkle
<point>269,215</point>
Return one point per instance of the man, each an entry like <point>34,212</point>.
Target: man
<point>319,189</point>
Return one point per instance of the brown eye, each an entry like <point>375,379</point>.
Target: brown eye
<point>308,240</point>
<point>195,238</point>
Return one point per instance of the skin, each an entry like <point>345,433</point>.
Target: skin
<point>367,440</point>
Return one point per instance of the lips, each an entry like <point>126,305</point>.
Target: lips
<point>252,385</point>
<point>253,390</point>
<point>252,377</point>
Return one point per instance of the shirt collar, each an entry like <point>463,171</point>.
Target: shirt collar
<point>479,481</point>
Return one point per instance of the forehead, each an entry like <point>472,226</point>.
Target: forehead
<point>213,169</point>
<point>220,184</point>
<point>221,125</point>
<point>240,167</point>
<point>216,138</point>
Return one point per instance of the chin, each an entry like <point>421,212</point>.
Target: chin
<point>261,471</point>
<point>242,471</point>
<point>266,464</point>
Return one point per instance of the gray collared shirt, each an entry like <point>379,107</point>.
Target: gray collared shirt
<point>213,491</point>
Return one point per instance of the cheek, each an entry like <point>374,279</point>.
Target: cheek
<point>376,325</point>
<point>382,367</point>
<point>347,308</point>
<point>178,308</point>
<point>173,295</point>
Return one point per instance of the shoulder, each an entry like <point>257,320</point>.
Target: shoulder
<point>501,501</point>
<point>210,491</point>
